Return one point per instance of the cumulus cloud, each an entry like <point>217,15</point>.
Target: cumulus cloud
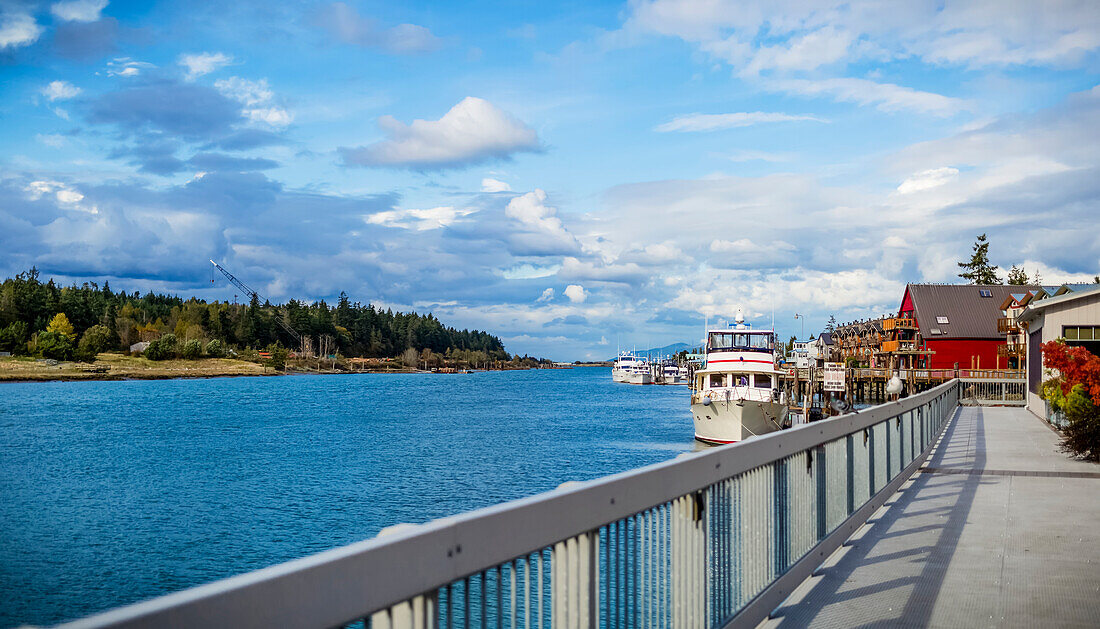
<point>473,131</point>
<point>489,184</point>
<point>420,220</point>
<point>17,29</point>
<point>575,293</point>
<point>60,90</point>
<point>202,63</point>
<point>545,234</point>
<point>547,295</point>
<point>711,122</point>
<point>78,10</point>
<point>345,23</point>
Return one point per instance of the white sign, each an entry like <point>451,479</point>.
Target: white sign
<point>834,376</point>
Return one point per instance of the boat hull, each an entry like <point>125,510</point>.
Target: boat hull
<point>728,422</point>
<point>631,376</point>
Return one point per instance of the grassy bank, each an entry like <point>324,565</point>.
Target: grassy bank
<point>119,367</point>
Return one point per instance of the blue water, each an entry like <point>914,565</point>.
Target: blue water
<point>113,492</point>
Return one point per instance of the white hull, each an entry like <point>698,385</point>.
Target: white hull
<point>631,377</point>
<point>727,422</point>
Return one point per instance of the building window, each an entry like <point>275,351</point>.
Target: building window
<point>936,331</point>
<point>1081,332</point>
<point>985,292</point>
<point>941,320</point>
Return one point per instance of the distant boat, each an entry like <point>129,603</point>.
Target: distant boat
<point>737,392</point>
<point>630,369</point>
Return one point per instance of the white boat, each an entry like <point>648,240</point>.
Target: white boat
<point>671,373</point>
<point>738,393</point>
<point>630,369</point>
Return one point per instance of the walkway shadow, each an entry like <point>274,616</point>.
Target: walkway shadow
<point>963,445</point>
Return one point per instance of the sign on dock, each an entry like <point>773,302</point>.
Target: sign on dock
<point>833,376</point>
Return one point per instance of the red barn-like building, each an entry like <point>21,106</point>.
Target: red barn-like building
<point>957,323</point>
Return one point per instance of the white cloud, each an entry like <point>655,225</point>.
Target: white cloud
<point>66,196</point>
<point>575,293</point>
<point>18,29</point>
<point>926,179</point>
<point>125,66</point>
<point>420,220</point>
<point>756,36</point>
<point>473,131</point>
<point>489,184</point>
<point>273,116</point>
<point>203,63</point>
<point>256,96</point>
<point>245,91</point>
<point>60,90</point>
<point>883,96</point>
<point>531,211</point>
<point>79,10</point>
<point>710,122</point>
<point>547,295</point>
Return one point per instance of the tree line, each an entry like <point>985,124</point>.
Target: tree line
<point>52,321</point>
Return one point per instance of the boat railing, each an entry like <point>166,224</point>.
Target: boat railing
<point>711,539</point>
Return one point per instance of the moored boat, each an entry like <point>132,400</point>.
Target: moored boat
<point>738,393</point>
<point>630,369</point>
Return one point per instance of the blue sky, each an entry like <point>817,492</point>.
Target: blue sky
<point>569,176</point>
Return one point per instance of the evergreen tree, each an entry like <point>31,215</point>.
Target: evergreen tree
<point>830,325</point>
<point>1016,276</point>
<point>978,270</point>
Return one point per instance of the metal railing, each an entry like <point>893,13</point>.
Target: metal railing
<point>710,539</point>
<point>993,392</point>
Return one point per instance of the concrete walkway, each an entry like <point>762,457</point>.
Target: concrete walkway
<point>999,529</point>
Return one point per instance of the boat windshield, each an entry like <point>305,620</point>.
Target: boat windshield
<point>740,340</point>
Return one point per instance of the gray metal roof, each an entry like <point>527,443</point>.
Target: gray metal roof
<point>1034,307</point>
<point>969,315</point>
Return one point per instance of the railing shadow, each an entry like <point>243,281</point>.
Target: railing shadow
<point>962,446</point>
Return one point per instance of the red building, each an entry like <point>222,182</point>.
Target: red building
<point>954,324</point>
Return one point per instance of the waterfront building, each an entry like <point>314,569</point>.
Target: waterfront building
<point>1072,314</point>
<point>859,340</point>
<point>944,326</point>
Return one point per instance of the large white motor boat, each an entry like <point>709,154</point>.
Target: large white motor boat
<point>630,369</point>
<point>738,393</point>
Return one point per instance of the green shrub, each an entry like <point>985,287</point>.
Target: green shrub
<point>53,345</point>
<point>96,339</point>
<point>192,349</point>
<point>278,356</point>
<point>162,348</point>
<point>215,349</point>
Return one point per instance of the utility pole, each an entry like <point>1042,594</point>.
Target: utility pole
<point>803,317</point>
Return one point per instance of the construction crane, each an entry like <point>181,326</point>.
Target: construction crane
<point>251,293</point>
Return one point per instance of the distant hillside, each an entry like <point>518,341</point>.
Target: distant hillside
<point>667,350</point>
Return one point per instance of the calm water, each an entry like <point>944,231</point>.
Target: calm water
<point>112,492</point>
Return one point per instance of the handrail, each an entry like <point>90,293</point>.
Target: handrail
<point>656,543</point>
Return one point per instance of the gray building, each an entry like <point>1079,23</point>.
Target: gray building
<point>1073,315</point>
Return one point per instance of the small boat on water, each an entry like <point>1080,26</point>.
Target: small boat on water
<point>738,393</point>
<point>630,369</point>
<point>671,373</point>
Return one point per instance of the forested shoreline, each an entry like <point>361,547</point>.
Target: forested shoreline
<point>44,319</point>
